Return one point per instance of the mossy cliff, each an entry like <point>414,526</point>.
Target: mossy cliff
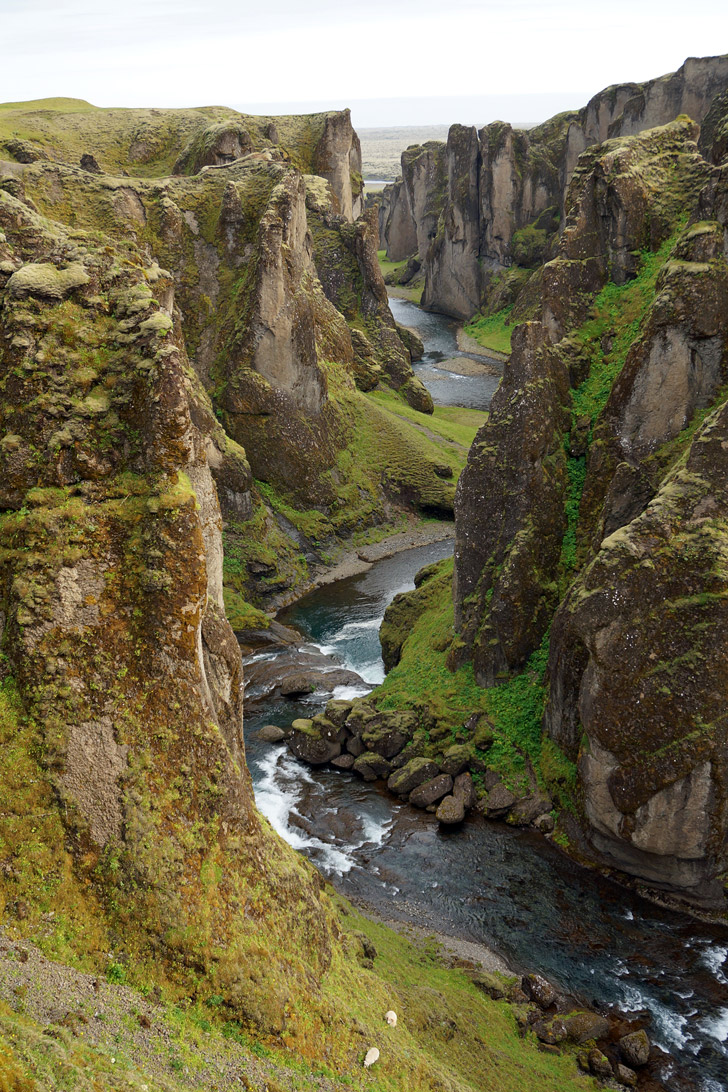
<point>130,846</point>
<point>500,192</point>
<point>279,360</point>
<point>155,143</point>
<point>592,509</point>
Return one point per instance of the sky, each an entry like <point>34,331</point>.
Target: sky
<point>395,62</point>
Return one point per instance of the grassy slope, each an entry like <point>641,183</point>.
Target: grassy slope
<point>492,331</point>
<point>149,140</point>
<point>449,1034</point>
<point>403,291</point>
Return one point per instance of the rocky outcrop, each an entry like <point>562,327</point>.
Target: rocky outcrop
<point>346,262</point>
<point>635,685</point>
<point>411,208</point>
<point>505,190</point>
<point>123,759</point>
<point>510,502</point>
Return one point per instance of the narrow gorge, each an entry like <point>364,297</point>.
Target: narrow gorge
<point>210,408</point>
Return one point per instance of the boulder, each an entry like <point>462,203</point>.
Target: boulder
<point>414,773</point>
<point>271,733</point>
<point>456,759</point>
<point>635,1048</point>
<point>337,710</point>
<point>551,1032</point>
<point>371,766</point>
<point>625,1075</point>
<point>544,823</point>
<point>343,762</point>
<point>311,748</point>
<point>295,685</point>
<point>385,740</point>
<point>431,791</point>
<point>355,746</point>
<point>539,990</point>
<point>526,810</point>
<point>464,788</point>
<point>451,810</point>
<point>586,1025</point>
<point>600,1065</point>
<point>499,801</point>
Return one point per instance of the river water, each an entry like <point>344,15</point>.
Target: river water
<point>439,335</point>
<point>486,882</point>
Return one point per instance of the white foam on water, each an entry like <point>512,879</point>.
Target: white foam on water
<point>714,958</point>
<point>709,1085</point>
<point>352,629</point>
<point>348,693</point>
<point>374,830</point>
<point>628,916</point>
<point>277,795</point>
<point>716,1026</point>
<point>669,1026</point>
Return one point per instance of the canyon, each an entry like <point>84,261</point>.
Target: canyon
<point>207,403</point>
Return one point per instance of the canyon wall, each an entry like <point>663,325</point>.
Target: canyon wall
<point>591,512</point>
<point>501,192</point>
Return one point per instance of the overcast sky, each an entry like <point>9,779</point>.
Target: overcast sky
<point>335,52</point>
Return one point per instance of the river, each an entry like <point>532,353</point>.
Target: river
<point>487,882</point>
<point>439,335</point>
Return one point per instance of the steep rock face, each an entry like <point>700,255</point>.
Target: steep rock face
<point>506,189</point>
<point>510,502</point>
<point>408,222</point>
<point>509,512</point>
<point>639,685</point>
<point>337,158</point>
<point>346,263</point>
<point>124,773</point>
<point>256,321</point>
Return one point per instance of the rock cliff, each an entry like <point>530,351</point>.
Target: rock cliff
<point>127,808</point>
<point>590,514</point>
<point>504,190</point>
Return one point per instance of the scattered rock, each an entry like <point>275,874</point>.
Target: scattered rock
<point>431,791</point>
<point>88,163</point>
<point>343,762</point>
<point>625,1075</point>
<point>412,774</point>
<point>456,759</point>
<point>600,1065</point>
<point>372,766</point>
<point>451,810</point>
<point>499,801</point>
<point>552,1032</point>
<point>337,710</point>
<point>635,1048</point>
<point>544,823</point>
<point>524,811</point>
<point>464,788</point>
<point>539,990</point>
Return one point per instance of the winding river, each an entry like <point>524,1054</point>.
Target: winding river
<point>486,882</point>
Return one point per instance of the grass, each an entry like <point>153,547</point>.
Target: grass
<point>492,331</point>
<point>454,424</point>
<point>449,1034</point>
<point>413,292</point>
<point>618,310</point>
<point>423,681</point>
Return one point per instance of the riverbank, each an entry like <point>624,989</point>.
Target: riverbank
<point>359,559</point>
<point>467,344</point>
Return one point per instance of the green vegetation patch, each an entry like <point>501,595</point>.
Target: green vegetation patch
<point>492,331</point>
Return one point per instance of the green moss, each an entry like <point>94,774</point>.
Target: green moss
<point>492,331</point>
